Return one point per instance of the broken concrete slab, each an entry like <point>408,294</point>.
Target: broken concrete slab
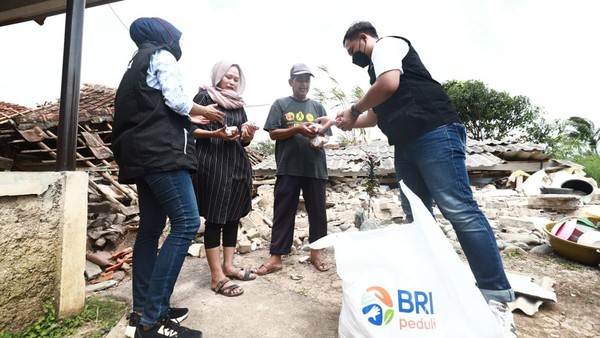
<point>100,286</point>
<point>92,270</point>
<point>555,202</point>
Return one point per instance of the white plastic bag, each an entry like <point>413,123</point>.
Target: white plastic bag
<point>407,281</point>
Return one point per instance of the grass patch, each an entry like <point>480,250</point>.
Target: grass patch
<point>513,254</point>
<point>98,317</point>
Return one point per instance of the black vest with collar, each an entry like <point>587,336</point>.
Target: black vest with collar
<point>148,137</point>
<point>419,105</point>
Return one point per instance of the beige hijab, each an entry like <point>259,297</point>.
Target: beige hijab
<point>225,98</point>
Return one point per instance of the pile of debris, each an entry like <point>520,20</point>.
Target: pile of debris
<point>104,269</point>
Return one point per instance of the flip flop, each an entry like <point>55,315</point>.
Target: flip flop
<point>268,270</point>
<point>227,291</point>
<point>246,277</point>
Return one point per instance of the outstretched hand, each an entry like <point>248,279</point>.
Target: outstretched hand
<point>212,114</point>
<point>325,123</point>
<point>345,120</point>
<point>199,119</point>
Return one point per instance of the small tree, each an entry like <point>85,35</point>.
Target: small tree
<point>371,183</point>
<point>554,134</point>
<point>490,114</point>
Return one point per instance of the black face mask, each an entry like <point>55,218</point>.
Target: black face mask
<point>360,58</point>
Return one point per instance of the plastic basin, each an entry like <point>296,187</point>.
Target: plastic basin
<point>578,252</point>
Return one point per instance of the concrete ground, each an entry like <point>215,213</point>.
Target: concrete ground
<point>295,302</point>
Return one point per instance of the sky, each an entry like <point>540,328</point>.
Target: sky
<point>547,50</point>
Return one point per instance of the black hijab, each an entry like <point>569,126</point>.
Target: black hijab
<point>157,32</point>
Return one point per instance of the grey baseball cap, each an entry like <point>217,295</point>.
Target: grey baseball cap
<point>299,69</point>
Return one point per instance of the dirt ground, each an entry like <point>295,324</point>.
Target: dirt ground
<point>576,314</point>
<point>577,288</point>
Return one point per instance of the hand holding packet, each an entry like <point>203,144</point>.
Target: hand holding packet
<point>229,131</point>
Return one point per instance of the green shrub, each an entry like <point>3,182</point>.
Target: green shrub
<point>266,147</point>
<point>99,315</point>
<point>591,163</point>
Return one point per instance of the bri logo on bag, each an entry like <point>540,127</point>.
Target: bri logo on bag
<point>372,302</point>
<point>416,311</point>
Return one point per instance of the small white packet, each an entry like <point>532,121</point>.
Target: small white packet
<point>230,130</point>
<point>318,141</point>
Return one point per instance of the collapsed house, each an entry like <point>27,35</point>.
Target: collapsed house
<point>28,142</point>
<point>29,138</point>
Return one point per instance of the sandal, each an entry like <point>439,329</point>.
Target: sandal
<point>268,269</point>
<point>320,265</point>
<point>247,274</point>
<point>227,291</point>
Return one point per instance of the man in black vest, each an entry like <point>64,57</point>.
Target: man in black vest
<point>414,112</point>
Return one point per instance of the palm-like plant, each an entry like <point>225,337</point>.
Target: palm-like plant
<point>584,130</point>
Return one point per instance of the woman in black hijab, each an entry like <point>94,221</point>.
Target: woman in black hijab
<point>154,148</point>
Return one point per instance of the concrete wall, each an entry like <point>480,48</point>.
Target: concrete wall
<point>43,219</point>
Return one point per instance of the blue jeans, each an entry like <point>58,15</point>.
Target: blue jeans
<point>154,273</point>
<point>433,167</point>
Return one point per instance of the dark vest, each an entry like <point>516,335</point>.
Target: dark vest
<point>148,137</point>
<point>419,105</point>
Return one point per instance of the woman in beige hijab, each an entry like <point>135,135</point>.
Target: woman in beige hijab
<point>224,178</point>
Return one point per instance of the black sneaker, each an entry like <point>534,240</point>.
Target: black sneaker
<point>166,328</point>
<point>178,314</point>
<point>133,320</point>
<point>175,314</point>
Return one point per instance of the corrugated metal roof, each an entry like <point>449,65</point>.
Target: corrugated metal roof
<point>510,150</point>
<point>346,161</point>
<point>350,160</point>
<point>475,160</point>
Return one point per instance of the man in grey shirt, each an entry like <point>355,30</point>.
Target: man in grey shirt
<point>300,166</point>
